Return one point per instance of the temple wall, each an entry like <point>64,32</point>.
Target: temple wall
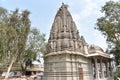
<point>74,62</point>
<point>55,67</point>
<point>66,67</point>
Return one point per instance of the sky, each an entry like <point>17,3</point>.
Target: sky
<point>84,12</point>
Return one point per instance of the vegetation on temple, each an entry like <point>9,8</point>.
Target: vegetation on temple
<point>18,42</point>
<point>109,26</point>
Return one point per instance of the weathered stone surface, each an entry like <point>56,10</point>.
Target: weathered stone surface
<point>64,34</point>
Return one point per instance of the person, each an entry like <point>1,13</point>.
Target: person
<point>35,76</point>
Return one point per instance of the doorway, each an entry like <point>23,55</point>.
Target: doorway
<point>80,73</point>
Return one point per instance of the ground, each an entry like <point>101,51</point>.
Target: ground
<point>20,78</point>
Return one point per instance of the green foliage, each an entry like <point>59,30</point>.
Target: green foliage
<point>14,29</point>
<point>116,75</point>
<point>35,46</point>
<point>116,52</point>
<point>19,43</point>
<point>109,26</point>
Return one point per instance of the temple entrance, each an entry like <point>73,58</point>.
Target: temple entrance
<point>80,73</point>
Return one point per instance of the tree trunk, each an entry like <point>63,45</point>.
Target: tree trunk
<point>9,68</point>
<point>23,67</point>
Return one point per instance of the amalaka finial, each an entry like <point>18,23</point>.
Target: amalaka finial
<point>65,5</point>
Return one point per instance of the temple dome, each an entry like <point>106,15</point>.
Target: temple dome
<point>94,48</point>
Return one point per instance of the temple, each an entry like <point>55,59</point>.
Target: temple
<point>70,57</point>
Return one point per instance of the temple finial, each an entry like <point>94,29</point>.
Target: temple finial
<point>65,5</point>
<point>62,3</point>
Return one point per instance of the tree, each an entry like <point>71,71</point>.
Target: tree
<point>14,29</point>
<point>34,47</point>
<point>18,43</point>
<point>3,19</point>
<point>109,26</point>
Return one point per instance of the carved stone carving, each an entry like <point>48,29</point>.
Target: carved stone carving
<point>65,43</point>
<point>64,34</point>
<point>58,46</point>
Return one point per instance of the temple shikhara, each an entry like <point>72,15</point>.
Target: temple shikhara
<point>70,57</point>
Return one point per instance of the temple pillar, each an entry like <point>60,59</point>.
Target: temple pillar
<point>110,69</point>
<point>96,69</point>
<point>102,71</point>
<point>107,69</point>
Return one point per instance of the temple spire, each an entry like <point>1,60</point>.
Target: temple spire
<point>64,11</point>
<point>64,34</point>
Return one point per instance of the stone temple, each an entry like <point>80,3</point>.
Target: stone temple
<point>70,57</point>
